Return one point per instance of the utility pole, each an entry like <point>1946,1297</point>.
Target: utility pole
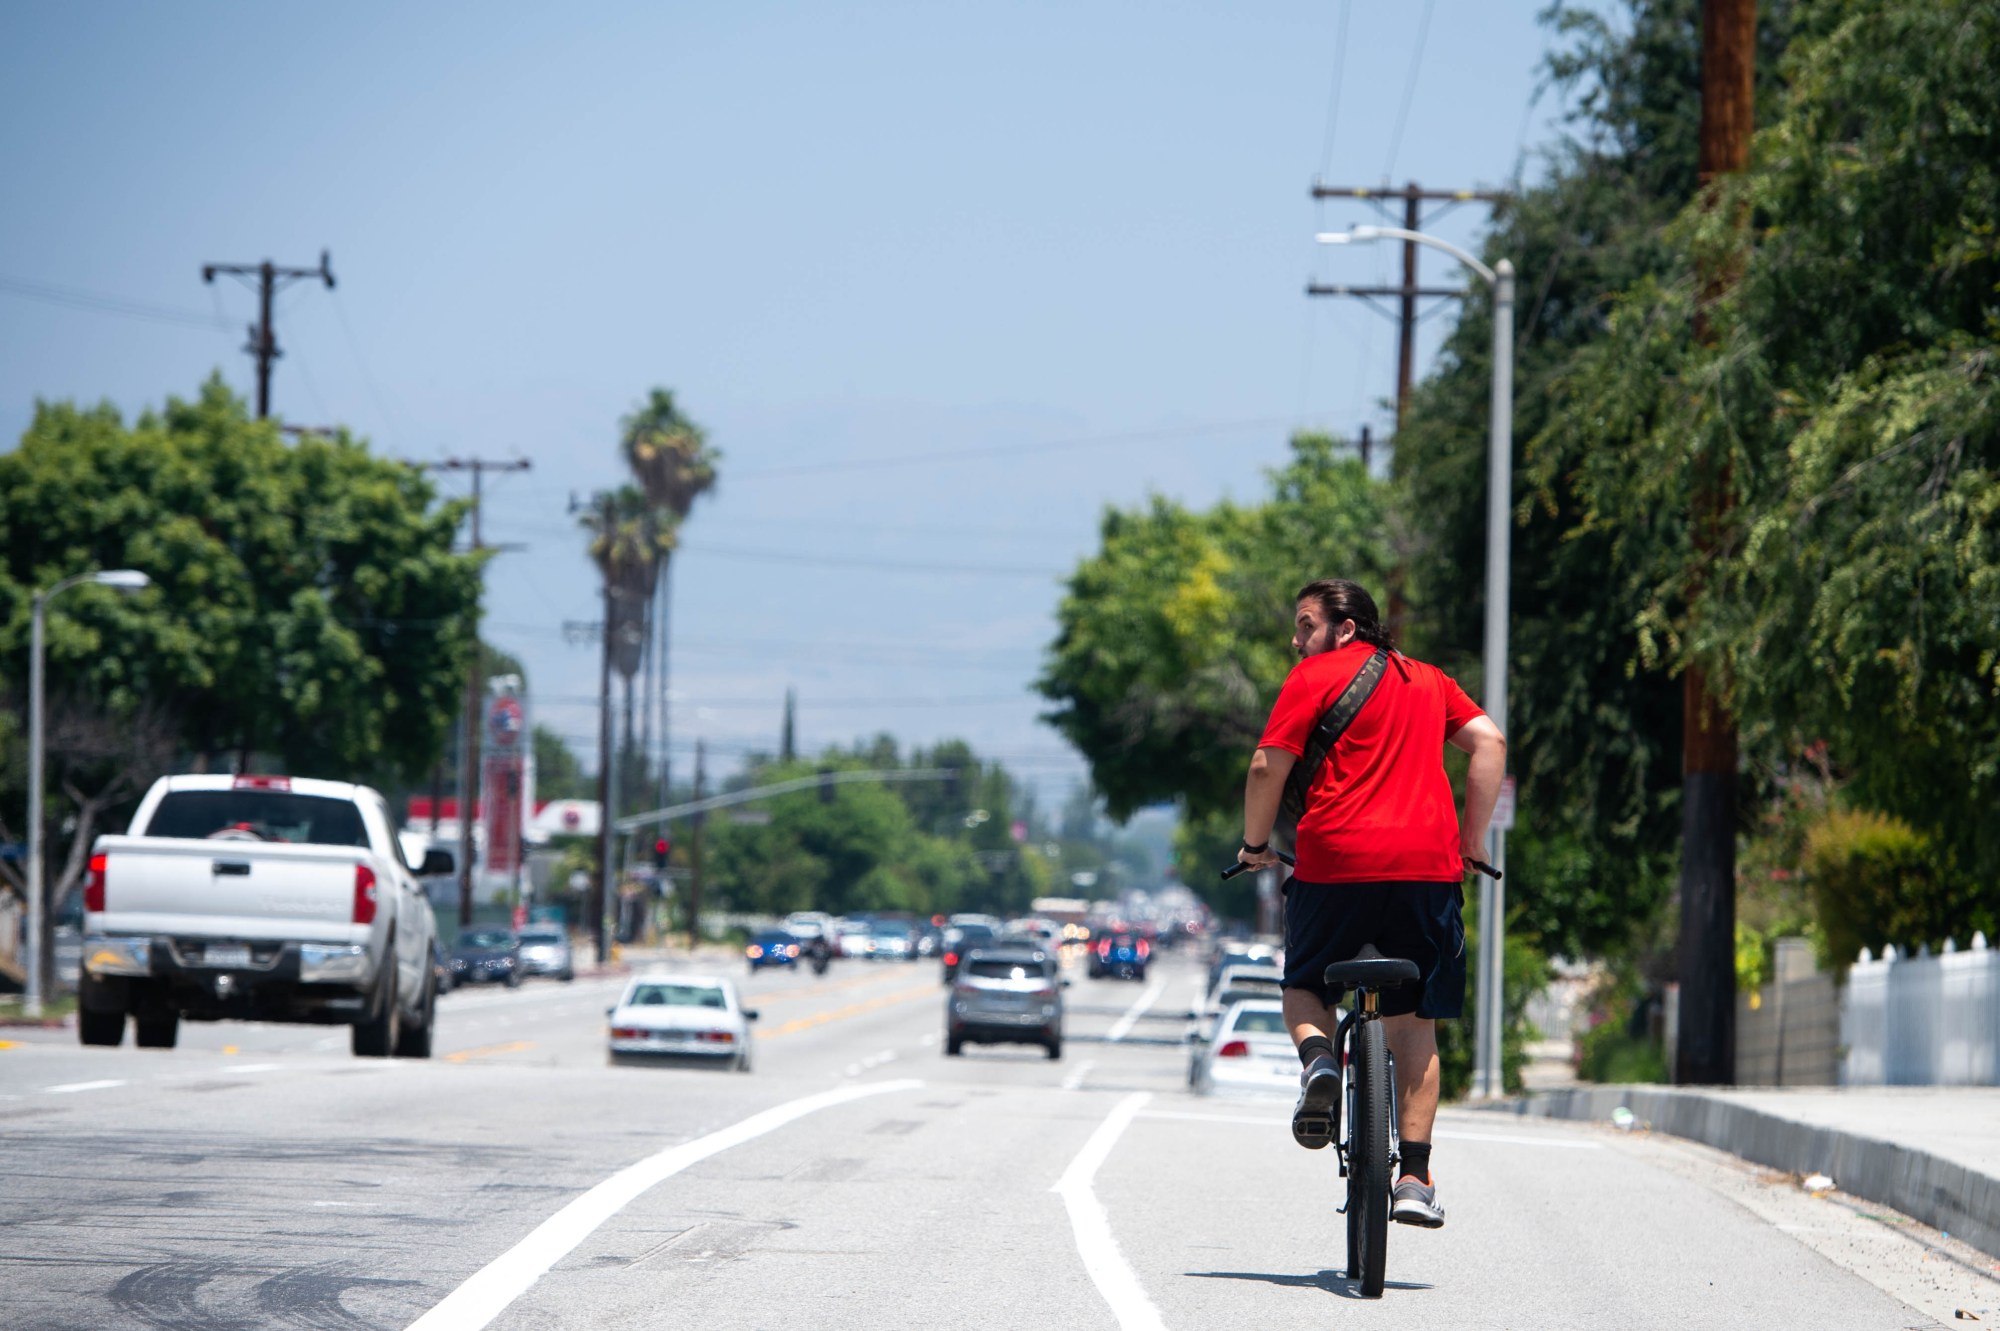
<point>475,685</point>
<point>1705,1048</point>
<point>1414,198</point>
<point>694,849</point>
<point>271,279</point>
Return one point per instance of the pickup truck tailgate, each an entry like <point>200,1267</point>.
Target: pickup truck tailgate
<point>235,889</point>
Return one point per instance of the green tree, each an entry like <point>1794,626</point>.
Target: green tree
<point>1843,401</point>
<point>559,774</point>
<point>306,606</point>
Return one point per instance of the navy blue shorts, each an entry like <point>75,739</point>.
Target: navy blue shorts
<point>1420,922</point>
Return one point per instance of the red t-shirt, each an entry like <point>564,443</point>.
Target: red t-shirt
<point>1380,807</point>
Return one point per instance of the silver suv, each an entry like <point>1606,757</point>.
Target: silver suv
<point>1005,996</point>
<point>545,951</point>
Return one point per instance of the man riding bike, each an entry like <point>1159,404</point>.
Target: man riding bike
<point>1381,857</point>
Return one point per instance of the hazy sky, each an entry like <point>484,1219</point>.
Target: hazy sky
<point>942,282</point>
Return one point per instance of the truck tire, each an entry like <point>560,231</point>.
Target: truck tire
<point>157,1030</point>
<point>376,1035</point>
<point>414,1041</point>
<point>100,1028</point>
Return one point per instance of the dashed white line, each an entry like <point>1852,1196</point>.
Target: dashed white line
<point>1108,1269</point>
<point>71,1088</point>
<point>1124,1025</point>
<point>1074,1081</point>
<point>486,1295</point>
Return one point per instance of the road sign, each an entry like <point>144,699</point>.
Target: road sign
<point>505,721</point>
<point>1503,808</point>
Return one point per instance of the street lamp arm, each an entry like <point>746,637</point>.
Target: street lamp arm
<point>1417,237</point>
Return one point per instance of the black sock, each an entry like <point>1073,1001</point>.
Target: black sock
<point>1314,1046</point>
<point>1417,1160</point>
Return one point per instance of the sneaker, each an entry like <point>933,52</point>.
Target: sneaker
<point>1416,1203</point>
<point>1319,1093</point>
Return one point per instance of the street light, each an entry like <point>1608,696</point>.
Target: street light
<point>125,580</point>
<point>1487,1079</point>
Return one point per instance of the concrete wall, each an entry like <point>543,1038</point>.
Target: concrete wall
<point>1790,1034</point>
<point>1923,1020</point>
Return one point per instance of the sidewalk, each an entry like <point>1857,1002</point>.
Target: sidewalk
<point>1931,1152</point>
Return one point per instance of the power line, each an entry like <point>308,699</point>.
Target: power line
<point>1409,90</point>
<point>101,303</point>
<point>1333,97</point>
<point>1019,450</point>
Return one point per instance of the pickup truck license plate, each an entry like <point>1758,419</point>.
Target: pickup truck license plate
<point>225,954</point>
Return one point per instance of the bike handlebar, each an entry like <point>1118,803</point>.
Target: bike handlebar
<point>1480,865</point>
<point>1240,866</point>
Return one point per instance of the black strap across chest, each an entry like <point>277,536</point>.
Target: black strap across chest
<point>1325,733</point>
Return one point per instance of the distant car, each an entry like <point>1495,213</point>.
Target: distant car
<point>1237,984</point>
<point>686,1019</point>
<point>808,924</point>
<point>1250,1051</point>
<point>957,941</point>
<point>1005,996</point>
<point>486,956</point>
<point>545,950</point>
<point>1239,973</point>
<point>892,942</point>
<point>1120,956</point>
<point>854,939</point>
<point>772,947</point>
<point>1237,951</point>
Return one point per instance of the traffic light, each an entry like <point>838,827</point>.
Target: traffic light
<point>661,849</point>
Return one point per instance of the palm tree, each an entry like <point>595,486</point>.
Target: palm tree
<point>671,458</point>
<point>630,541</point>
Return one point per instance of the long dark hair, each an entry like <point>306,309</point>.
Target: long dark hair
<point>1339,599</point>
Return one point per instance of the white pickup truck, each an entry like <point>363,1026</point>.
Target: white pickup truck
<point>259,898</point>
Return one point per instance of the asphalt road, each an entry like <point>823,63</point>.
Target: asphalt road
<point>260,1177</point>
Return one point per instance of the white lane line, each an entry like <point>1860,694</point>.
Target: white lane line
<point>255,1067</point>
<point>1074,1081</point>
<point>1109,1271</point>
<point>929,1038</point>
<point>71,1088</point>
<point>330,1042</point>
<point>1145,1000</point>
<point>1437,1134</point>
<point>507,1277</point>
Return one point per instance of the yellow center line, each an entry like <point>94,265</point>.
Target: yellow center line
<point>490,1050</point>
<point>798,1024</point>
<point>10,1044</point>
<point>817,991</point>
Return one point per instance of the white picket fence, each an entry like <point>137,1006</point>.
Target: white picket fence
<point>1923,1020</point>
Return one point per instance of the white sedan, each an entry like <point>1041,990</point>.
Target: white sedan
<point>1249,1052</point>
<point>681,1018</point>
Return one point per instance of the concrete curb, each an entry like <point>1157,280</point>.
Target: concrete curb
<point>1941,1193</point>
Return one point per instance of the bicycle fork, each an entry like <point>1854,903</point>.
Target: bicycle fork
<point>1365,1002</point>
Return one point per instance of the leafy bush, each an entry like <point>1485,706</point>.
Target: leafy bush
<point>1621,1047</point>
<point>1876,880</point>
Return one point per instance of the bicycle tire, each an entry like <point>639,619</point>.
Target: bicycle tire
<point>1368,1181</point>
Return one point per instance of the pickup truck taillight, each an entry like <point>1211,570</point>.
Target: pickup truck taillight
<point>364,894</point>
<point>93,886</point>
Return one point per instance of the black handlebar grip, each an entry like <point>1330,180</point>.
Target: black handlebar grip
<point>1240,866</point>
<point>1486,869</point>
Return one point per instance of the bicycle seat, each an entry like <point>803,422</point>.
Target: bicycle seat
<point>1369,969</point>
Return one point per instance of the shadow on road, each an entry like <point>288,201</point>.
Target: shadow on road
<point>1333,1282</point>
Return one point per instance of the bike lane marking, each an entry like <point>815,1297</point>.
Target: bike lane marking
<point>495,1286</point>
<point>1145,1000</point>
<point>1109,1271</point>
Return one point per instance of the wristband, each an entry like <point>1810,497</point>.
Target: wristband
<point>1257,849</point>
